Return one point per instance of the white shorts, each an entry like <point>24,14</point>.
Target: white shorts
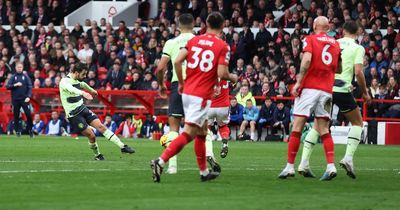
<point>219,114</point>
<point>313,101</point>
<point>195,109</point>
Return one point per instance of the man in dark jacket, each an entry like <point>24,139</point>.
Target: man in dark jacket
<point>21,91</point>
<point>281,119</point>
<point>149,126</point>
<point>266,116</point>
<point>262,38</point>
<point>235,112</point>
<point>116,77</point>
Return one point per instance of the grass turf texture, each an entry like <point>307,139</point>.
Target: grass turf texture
<point>59,173</point>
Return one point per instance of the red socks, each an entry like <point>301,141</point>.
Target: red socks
<point>200,150</point>
<point>224,131</point>
<point>293,146</point>
<point>328,147</point>
<point>176,146</point>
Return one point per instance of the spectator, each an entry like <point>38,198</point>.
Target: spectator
<point>380,107</point>
<point>250,117</point>
<point>136,84</point>
<point>56,12</point>
<point>99,55</point>
<point>239,70</point>
<point>245,95</point>
<point>38,125</point>
<point>115,77</point>
<point>266,91</point>
<point>149,126</point>
<point>109,123</point>
<point>85,52</point>
<point>235,112</point>
<point>374,89</point>
<point>147,80</point>
<point>379,63</point>
<point>266,116</point>
<point>127,128</point>
<point>53,127</point>
<point>281,119</point>
<point>392,88</point>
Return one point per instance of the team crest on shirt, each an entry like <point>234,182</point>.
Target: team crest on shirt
<point>80,125</point>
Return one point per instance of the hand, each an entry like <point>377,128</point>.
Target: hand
<point>234,78</point>
<point>367,98</point>
<point>276,124</point>
<point>87,96</point>
<point>180,88</point>
<point>27,99</point>
<point>217,91</point>
<point>163,91</point>
<point>95,93</point>
<point>18,84</point>
<point>295,90</point>
<point>262,120</point>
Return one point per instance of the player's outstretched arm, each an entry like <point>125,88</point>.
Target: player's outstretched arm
<point>305,64</point>
<point>85,86</point>
<point>224,74</point>
<point>178,66</point>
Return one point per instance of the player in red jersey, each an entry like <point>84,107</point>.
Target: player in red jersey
<point>313,92</point>
<point>207,59</point>
<point>219,112</point>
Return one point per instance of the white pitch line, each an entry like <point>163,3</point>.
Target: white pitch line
<point>45,161</point>
<point>137,169</point>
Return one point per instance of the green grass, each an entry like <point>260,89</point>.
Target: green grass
<point>58,173</point>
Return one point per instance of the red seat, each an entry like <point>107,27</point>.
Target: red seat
<point>4,121</point>
<point>102,73</point>
<point>45,117</point>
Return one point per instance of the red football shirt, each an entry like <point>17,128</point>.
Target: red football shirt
<point>222,99</point>
<point>205,53</point>
<point>325,52</point>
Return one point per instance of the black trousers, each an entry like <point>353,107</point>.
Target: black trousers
<point>17,104</point>
<point>286,127</point>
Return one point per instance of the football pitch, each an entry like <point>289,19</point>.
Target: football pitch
<point>59,173</point>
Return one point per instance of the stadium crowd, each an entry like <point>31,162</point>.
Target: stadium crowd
<point>267,63</point>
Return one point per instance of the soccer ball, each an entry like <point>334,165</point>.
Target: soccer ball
<point>164,140</point>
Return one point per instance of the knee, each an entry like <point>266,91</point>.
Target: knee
<point>91,136</point>
<point>245,123</point>
<point>102,128</point>
<point>253,123</point>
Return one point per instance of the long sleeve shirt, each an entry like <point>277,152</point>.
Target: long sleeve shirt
<point>20,92</point>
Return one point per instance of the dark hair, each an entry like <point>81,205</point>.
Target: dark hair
<point>268,99</point>
<point>80,67</point>
<point>108,115</point>
<point>249,100</point>
<point>186,20</point>
<point>351,27</point>
<point>215,20</point>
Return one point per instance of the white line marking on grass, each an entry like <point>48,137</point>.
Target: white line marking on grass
<point>137,169</point>
<point>49,161</point>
